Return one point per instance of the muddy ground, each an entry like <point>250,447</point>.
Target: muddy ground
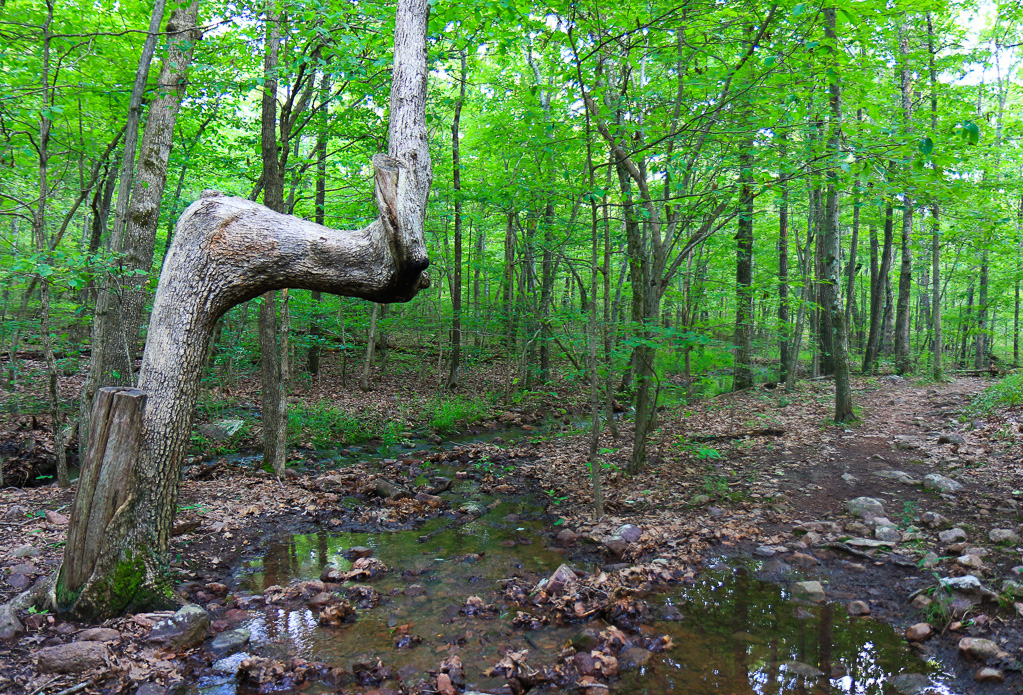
<point>779,498</point>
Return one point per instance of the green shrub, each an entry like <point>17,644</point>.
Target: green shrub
<point>446,413</point>
<point>326,426</point>
<point>1004,393</point>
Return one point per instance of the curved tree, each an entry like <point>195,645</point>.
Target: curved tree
<point>226,251</point>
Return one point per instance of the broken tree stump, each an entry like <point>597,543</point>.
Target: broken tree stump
<point>105,483</point>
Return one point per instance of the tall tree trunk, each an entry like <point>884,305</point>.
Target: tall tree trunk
<point>937,369</point>
<point>313,356</point>
<point>832,251</point>
<point>903,362</point>
<point>980,341</point>
<point>272,331</point>
<point>151,177</point>
<point>878,290</point>
<point>783,269</point>
<point>371,345</point>
<point>109,361</point>
<point>456,282</point>
<point>743,371</point>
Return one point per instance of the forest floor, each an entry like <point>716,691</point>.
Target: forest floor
<point>759,479</point>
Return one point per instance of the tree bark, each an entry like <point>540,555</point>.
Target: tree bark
<point>742,377</point>
<point>937,367</point>
<point>903,362</point>
<point>877,296</point>
<point>783,270</point>
<point>832,250</point>
<point>456,282</point>
<point>230,250</point>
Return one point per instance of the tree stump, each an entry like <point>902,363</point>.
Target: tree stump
<point>105,483</point>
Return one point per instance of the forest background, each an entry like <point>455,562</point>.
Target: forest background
<point>649,201</point>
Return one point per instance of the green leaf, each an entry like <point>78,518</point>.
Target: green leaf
<point>799,9</point>
<point>926,146</point>
<point>972,132</point>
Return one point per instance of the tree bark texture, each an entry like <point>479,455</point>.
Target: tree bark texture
<point>456,280</point>
<point>743,371</point>
<point>903,362</point>
<point>230,250</point>
<point>877,296</point>
<point>783,273</point>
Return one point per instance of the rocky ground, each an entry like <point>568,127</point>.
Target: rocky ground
<point>911,516</point>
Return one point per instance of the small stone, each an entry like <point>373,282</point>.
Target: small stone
<point>921,602</point>
<point>561,581</point>
<point>979,649</point>
<point>1003,535</point>
<point>813,538</point>
<point>887,533</point>
<point>433,501</point>
<point>857,608</point>
<point>15,511</point>
<point>809,591</point>
<point>616,546</point>
<point>910,683</point>
<point>414,590</point>
<point>701,500</point>
<point>951,439</point>
<point>19,581</point>
<point>633,658</point>
<point>56,518</point>
<point>953,535</point>
<point>185,629</point>
<point>97,634</point>
<point>566,538</point>
<point>10,626</point>
<point>929,560</point>
<point>629,533</point>
<point>933,520</point>
<point>989,675</point>
<point>865,507</point>
<point>764,551</point>
<point>23,551</point>
<point>229,665</point>
<point>74,657</point>
<point>803,560</point>
<point>229,642</point>
<point>970,561</point>
<point>801,669</point>
<point>939,483</point>
<point>585,640</point>
<point>921,632</point>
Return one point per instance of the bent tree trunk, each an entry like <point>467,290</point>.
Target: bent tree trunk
<point>227,251</point>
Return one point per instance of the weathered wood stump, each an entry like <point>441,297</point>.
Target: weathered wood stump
<point>105,484</point>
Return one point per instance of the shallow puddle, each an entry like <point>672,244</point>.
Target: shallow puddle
<point>732,633</point>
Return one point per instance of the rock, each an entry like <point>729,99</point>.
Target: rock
<point>185,629</point>
<point>921,602</point>
<point>951,439</point>
<point>566,538</point>
<point>56,518</point>
<point>900,476</point>
<point>989,675</point>
<point>857,608</point>
<point>74,657</point>
<point>629,533</point>
<point>910,683</point>
<point>633,658</point>
<point>939,483</point>
<point>933,520</point>
<point>229,665</point>
<point>967,584</point>
<point>803,560</point>
<point>801,669</point>
<point>434,501</point>
<point>1003,535</point>
<point>221,431</point>
<point>809,591</point>
<point>586,640</point>
<point>16,512</point>
<point>561,581</point>
<point>765,551</point>
<point>887,533</point>
<point>979,649</point>
<point>952,535</point>
<point>701,500</point>
<point>19,581</point>
<point>813,538</point>
<point>97,634</point>
<point>849,478</point>
<point>444,685</point>
<point>414,590</point>
<point>906,441</point>
<point>972,562</point>
<point>23,551</point>
<point>10,626</point>
<point>150,688</point>
<point>616,546</point>
<point>330,483</point>
<point>385,488</point>
<point>921,632</point>
<point>868,543</point>
<point>358,551</point>
<point>929,560</point>
<point>865,507</point>
<point>229,642</point>
<point>1011,587</point>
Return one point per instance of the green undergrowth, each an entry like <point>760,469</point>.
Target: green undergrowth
<point>326,426</point>
<point>445,414</point>
<point>1004,393</point>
